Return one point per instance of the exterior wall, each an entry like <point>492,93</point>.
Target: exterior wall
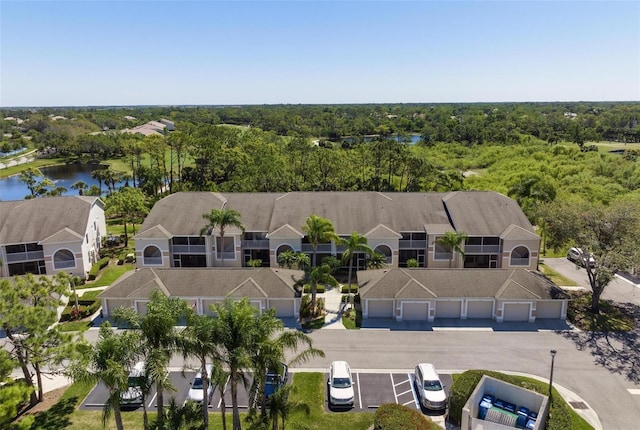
<point>432,263</point>
<point>508,245</point>
<point>502,390</point>
<point>96,230</point>
<point>235,261</point>
<point>277,242</point>
<point>79,269</point>
<point>162,244</point>
<point>392,243</point>
<point>109,305</point>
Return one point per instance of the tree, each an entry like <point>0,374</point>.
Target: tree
<point>108,362</point>
<point>35,181</point>
<point>281,405</point>
<point>376,261</point>
<point>12,393</point>
<point>81,186</point>
<point>27,314</point>
<point>287,259</point>
<point>99,175</point>
<point>453,241</point>
<point>302,261</point>
<point>354,244</point>
<point>198,339</point>
<point>320,275</point>
<point>159,338</point>
<point>318,230</point>
<point>221,218</point>
<point>128,204</point>
<point>609,234</point>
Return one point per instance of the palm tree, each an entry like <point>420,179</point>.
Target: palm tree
<point>198,340</point>
<point>318,230</point>
<point>281,405</point>
<point>355,243</point>
<point>100,176</point>
<point>219,379</point>
<point>287,259</point>
<point>302,261</point>
<point>221,218</point>
<point>81,186</point>
<point>376,260</point>
<point>320,275</point>
<point>453,242</point>
<point>109,361</point>
<point>159,338</point>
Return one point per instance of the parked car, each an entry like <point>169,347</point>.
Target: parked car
<point>340,385</point>
<point>429,388</point>
<point>195,389</point>
<point>577,256</point>
<point>275,379</point>
<point>135,381</point>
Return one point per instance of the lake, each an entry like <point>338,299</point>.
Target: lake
<point>63,175</point>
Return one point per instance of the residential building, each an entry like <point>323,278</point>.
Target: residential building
<point>47,235</point>
<point>401,226</point>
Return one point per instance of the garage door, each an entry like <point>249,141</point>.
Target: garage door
<point>380,309</point>
<point>516,312</point>
<point>448,309</point>
<point>284,308</point>
<point>415,311</point>
<point>480,309</point>
<point>551,309</point>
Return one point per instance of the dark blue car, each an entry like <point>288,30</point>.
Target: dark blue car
<point>275,379</point>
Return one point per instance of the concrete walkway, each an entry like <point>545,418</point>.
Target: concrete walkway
<point>334,307</point>
<point>21,159</point>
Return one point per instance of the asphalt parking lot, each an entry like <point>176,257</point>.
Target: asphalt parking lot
<point>371,390</point>
<point>374,389</point>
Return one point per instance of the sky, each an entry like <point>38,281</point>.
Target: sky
<point>154,52</point>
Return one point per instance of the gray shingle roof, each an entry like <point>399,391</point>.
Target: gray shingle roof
<point>475,212</point>
<point>206,282</point>
<point>37,219</point>
<point>456,283</point>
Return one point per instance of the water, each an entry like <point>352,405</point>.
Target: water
<point>62,176</point>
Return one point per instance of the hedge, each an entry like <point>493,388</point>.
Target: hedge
<point>463,386</point>
<point>68,314</point>
<point>345,289</point>
<point>319,289</point>
<point>95,269</point>
<point>399,417</point>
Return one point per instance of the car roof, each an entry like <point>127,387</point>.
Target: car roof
<point>428,371</point>
<point>340,369</point>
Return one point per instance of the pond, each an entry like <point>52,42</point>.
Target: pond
<point>63,175</point>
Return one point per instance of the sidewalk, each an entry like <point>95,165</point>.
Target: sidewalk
<point>334,307</point>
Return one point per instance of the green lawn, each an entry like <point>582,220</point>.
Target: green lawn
<point>557,278</point>
<point>109,275</point>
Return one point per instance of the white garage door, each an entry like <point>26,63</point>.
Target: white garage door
<point>551,309</point>
<point>516,312</point>
<point>448,309</point>
<point>415,311</point>
<point>284,308</point>
<point>380,308</point>
<point>479,309</point>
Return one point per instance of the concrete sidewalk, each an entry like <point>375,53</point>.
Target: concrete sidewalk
<point>334,308</point>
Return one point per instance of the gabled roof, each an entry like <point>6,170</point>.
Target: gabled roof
<point>155,232</point>
<point>207,282</point>
<point>284,232</point>
<point>425,284</point>
<point>515,232</point>
<point>37,219</point>
<point>66,235</point>
<point>383,232</point>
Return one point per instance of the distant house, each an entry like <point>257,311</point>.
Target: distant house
<point>151,128</point>
<point>47,235</point>
<point>170,125</point>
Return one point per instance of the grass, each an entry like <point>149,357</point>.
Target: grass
<point>610,318</point>
<point>75,326</point>
<point>109,275</point>
<point>555,277</point>
<point>314,324</point>
<point>14,170</point>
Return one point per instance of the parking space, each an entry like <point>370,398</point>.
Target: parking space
<point>374,389</point>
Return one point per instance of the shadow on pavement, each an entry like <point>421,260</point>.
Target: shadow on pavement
<point>618,352</point>
<point>469,325</point>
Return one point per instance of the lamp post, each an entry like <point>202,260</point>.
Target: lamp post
<point>553,356</point>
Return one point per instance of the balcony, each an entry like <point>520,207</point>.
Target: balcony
<point>18,257</point>
<point>413,244</point>
<point>482,249</point>
<point>255,244</point>
<point>323,247</point>
<point>189,249</point>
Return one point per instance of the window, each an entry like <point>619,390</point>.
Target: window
<point>441,252</point>
<point>386,251</point>
<point>225,247</point>
<point>519,256</point>
<point>152,256</point>
<point>63,259</point>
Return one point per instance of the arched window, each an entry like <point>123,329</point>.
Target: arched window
<point>63,259</point>
<point>519,256</point>
<point>152,256</point>
<point>386,251</point>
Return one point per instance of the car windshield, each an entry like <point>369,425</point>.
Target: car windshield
<point>134,381</point>
<point>341,382</point>
<point>432,385</point>
<point>271,378</point>
<point>197,384</point>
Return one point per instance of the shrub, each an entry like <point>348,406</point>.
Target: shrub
<point>345,289</point>
<point>95,269</point>
<point>399,417</point>
<point>85,310</point>
<point>319,289</point>
<point>412,262</point>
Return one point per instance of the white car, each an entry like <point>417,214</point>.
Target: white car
<point>340,385</point>
<point>429,388</point>
<point>577,256</point>
<point>135,383</point>
<point>195,391</point>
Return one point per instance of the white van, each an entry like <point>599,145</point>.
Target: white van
<point>429,388</point>
<point>135,382</point>
<point>340,384</point>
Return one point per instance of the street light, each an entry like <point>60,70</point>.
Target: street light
<point>553,356</point>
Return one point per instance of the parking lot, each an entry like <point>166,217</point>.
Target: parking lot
<point>371,389</point>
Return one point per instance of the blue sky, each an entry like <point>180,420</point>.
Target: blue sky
<point>88,52</point>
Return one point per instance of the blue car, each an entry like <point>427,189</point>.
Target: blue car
<point>275,379</point>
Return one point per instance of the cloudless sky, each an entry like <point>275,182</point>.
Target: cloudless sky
<point>137,52</point>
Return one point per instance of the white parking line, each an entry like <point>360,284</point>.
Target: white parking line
<point>152,400</point>
<point>415,398</point>
<point>404,392</point>
<point>359,391</point>
<point>393,385</point>
<point>634,391</point>
<point>223,391</point>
